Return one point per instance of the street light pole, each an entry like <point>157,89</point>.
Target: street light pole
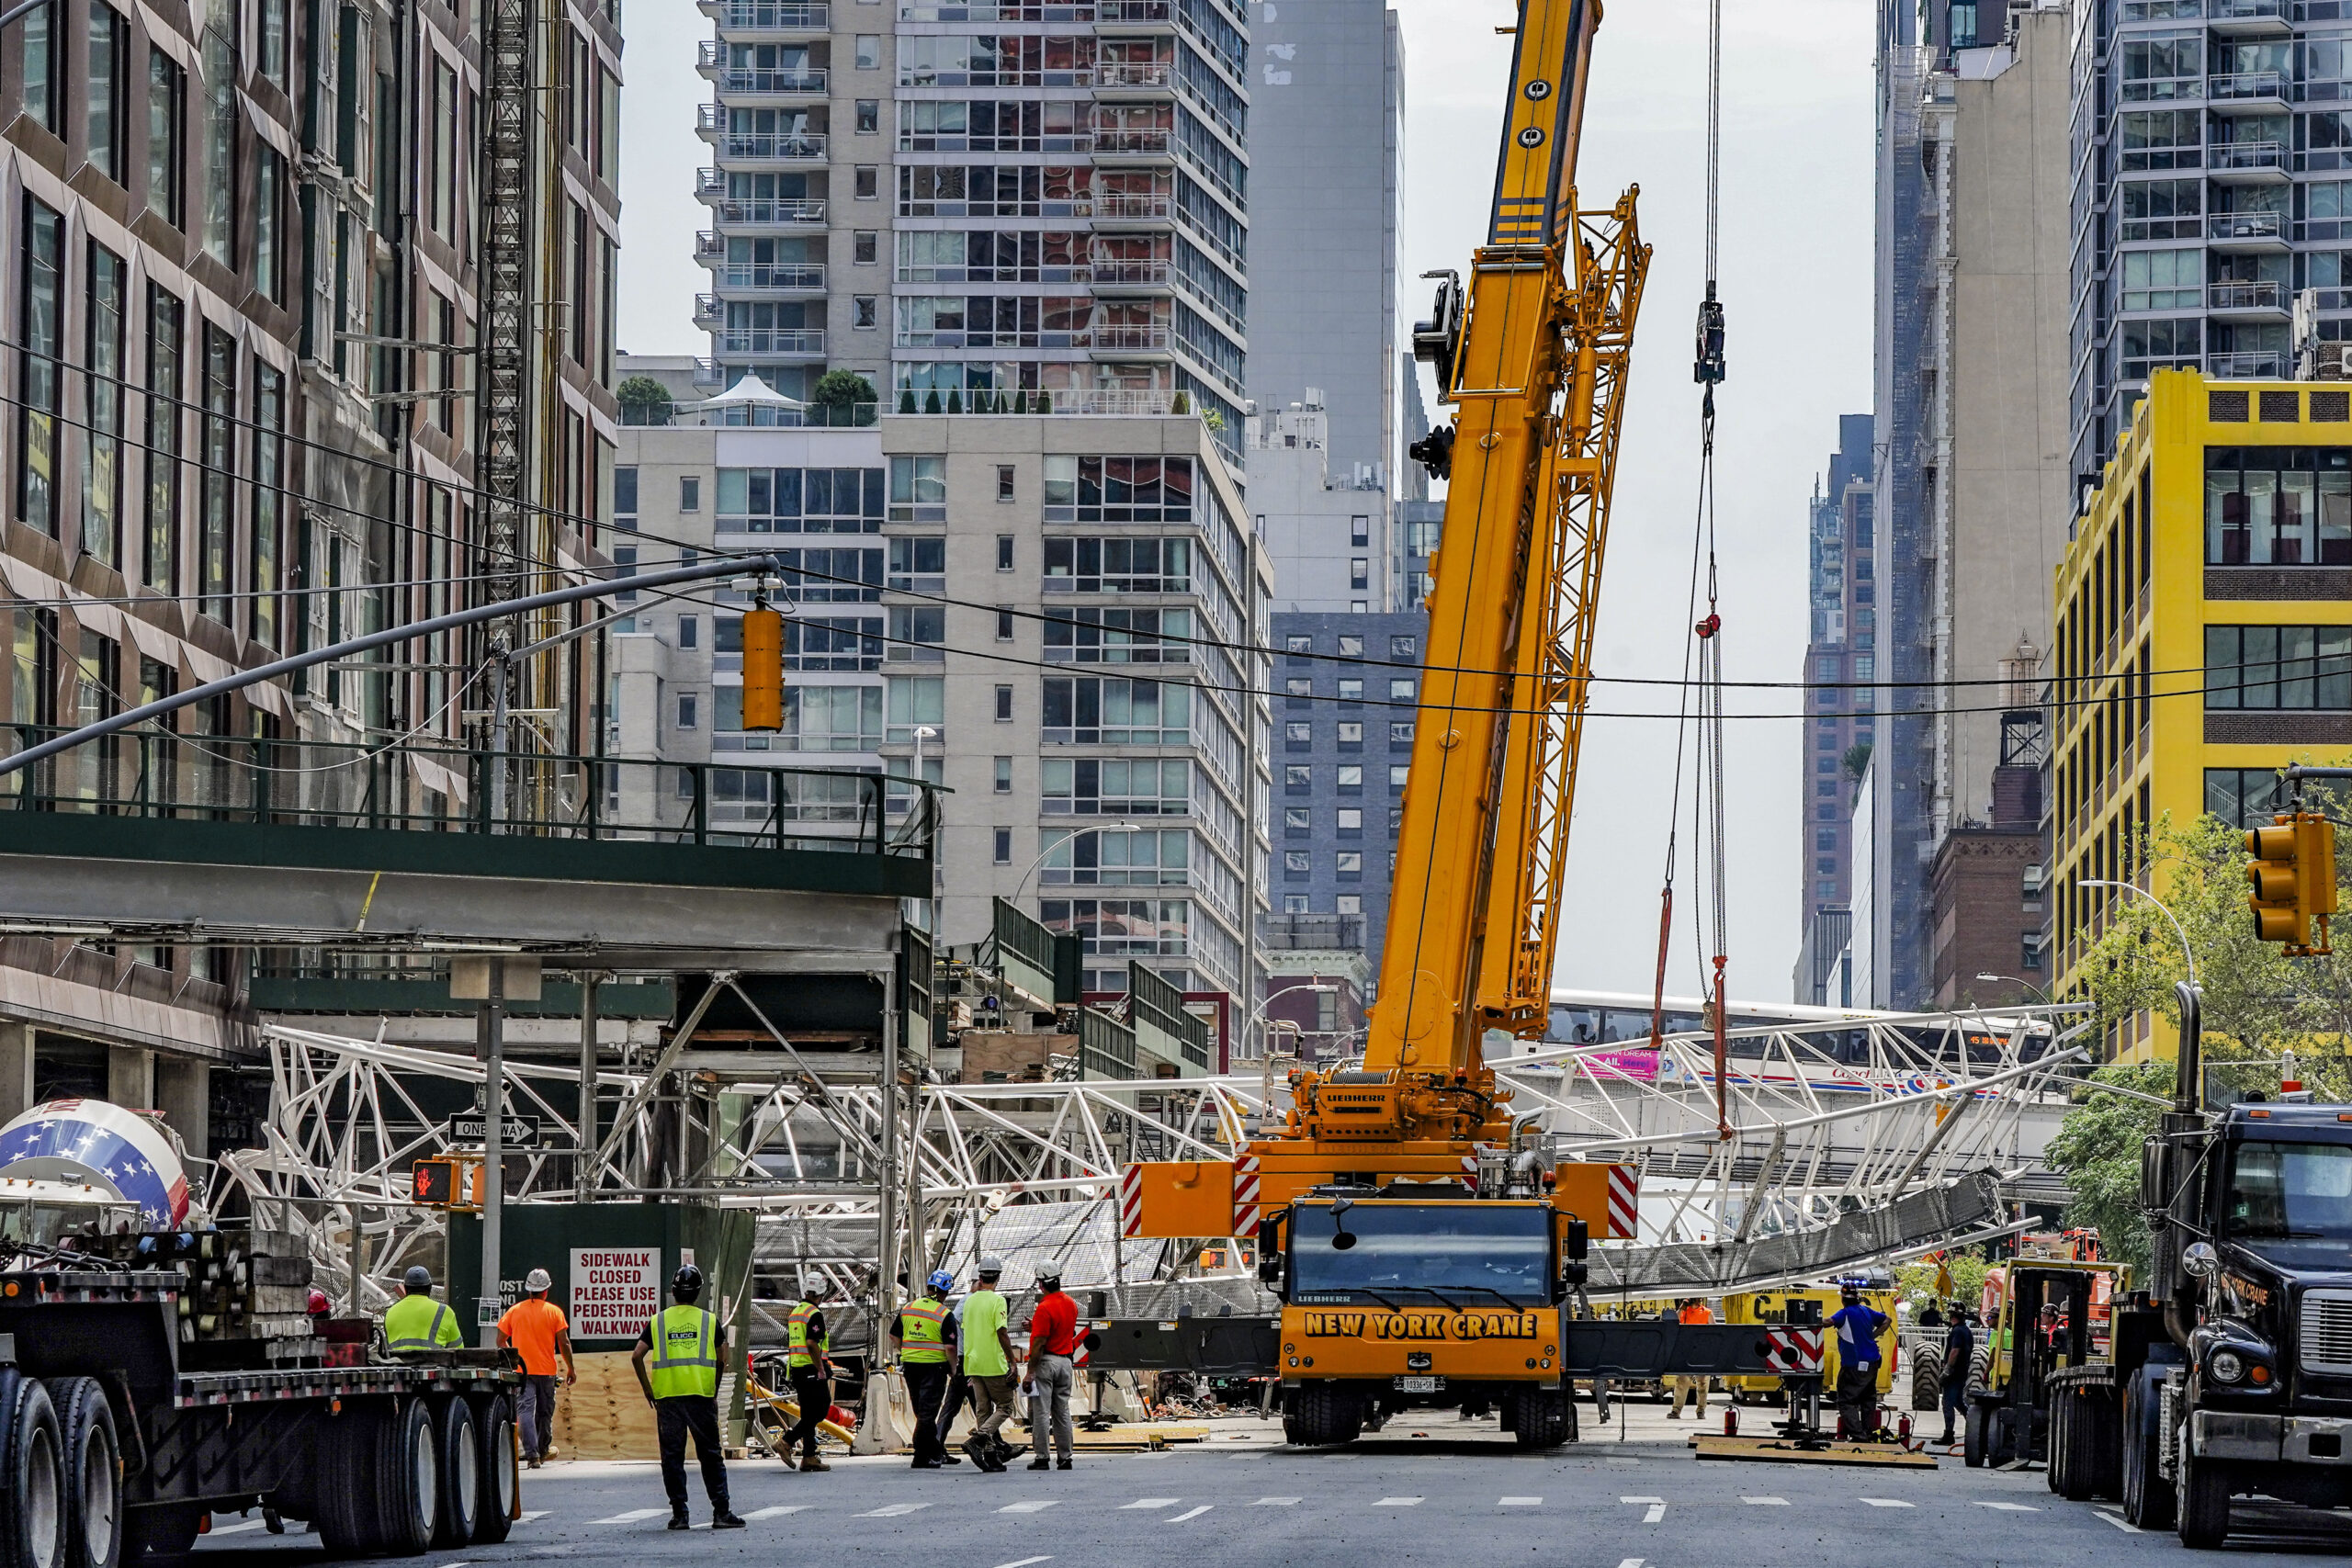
<point>1043,855</point>
<point>2135,888</point>
<point>2021,980</point>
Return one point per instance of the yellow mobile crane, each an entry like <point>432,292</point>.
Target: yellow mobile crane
<point>1421,1253</point>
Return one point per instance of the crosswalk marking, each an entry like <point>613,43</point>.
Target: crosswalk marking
<point>892,1511</point>
<point>1189,1514</point>
<point>1034,1506</point>
<point>1767,1502</point>
<point>1519,1502</point>
<point>778,1511</point>
<point>1656,1512</point>
<point>1023,1561</point>
<point>631,1517</point>
<point>1398,1503</point>
<point>1640,1499</point>
<point>2119,1522</point>
<point>1631,1563</point>
<point>529,1515</point>
<point>1276,1503</point>
<point>1888,1503</point>
<point>2006,1507</point>
<point>1151,1502</point>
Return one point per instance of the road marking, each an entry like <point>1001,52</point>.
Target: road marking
<point>1276,1503</point>
<point>1767,1502</point>
<point>631,1517</point>
<point>1034,1506</point>
<point>1631,1563</point>
<point>1190,1514</point>
<point>1023,1561</point>
<point>1640,1499</point>
<point>1656,1512</point>
<point>529,1515</point>
<point>1398,1503</point>
<point>779,1511</point>
<point>1889,1503</point>
<point>2006,1507</point>
<point>1621,1461</point>
<point>1150,1502</point>
<point>2119,1522</point>
<point>891,1510</point>
<point>1519,1502</point>
<point>244,1525</point>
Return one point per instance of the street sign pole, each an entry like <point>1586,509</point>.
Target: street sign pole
<point>493,1146</point>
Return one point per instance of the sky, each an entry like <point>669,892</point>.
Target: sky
<point>1796,267</point>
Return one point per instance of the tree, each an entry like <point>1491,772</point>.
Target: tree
<point>1916,1281</point>
<point>2098,1150</point>
<point>643,401</point>
<point>841,389</point>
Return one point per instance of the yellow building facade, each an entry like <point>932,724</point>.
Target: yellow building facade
<point>2204,636</point>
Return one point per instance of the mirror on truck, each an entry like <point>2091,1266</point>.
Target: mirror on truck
<point>1576,1245</point>
<point>1269,1247</point>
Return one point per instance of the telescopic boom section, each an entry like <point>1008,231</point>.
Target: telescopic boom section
<point>1532,357</point>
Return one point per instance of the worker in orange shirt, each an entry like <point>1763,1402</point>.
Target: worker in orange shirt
<point>535,1329</point>
<point>1687,1387</point>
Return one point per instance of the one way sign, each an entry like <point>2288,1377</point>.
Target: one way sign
<point>472,1127</point>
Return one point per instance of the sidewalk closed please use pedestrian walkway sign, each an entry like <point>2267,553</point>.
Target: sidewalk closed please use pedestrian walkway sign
<point>615,1291</point>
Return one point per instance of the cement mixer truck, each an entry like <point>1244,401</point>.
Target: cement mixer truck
<point>157,1368</point>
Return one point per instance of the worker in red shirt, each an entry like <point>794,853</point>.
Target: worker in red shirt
<point>1053,1370</point>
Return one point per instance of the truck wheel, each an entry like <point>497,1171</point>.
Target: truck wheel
<point>93,1470</point>
<point>2081,1447</point>
<point>1539,1419</point>
<point>348,1459</point>
<point>408,1492</point>
<point>161,1534</point>
<point>460,1479</point>
<point>497,1471</point>
<point>2054,1471</point>
<point>2106,1446</point>
<point>1329,1415</point>
<point>33,1476</point>
<point>2204,1503</point>
<point>2148,1495</point>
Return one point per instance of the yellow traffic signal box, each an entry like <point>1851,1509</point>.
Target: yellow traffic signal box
<point>2293,873</point>
<point>764,670</point>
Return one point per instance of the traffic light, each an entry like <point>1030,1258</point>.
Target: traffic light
<point>447,1181</point>
<point>2293,873</point>
<point>763,669</point>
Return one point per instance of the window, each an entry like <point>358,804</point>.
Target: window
<point>1352,778</point>
<point>1358,530</point>
<point>2244,797</point>
<point>43,316</point>
<point>1401,734</point>
<point>1350,735</point>
<point>869,117</point>
<point>160,549</point>
<point>1299,689</point>
<point>109,285</point>
<point>917,632</point>
<point>870,51</point>
<point>1348,864</point>
<point>1118,489</point>
<point>2162,280</point>
<point>166,91</point>
<point>1299,820</point>
<point>219,467</point>
<point>1348,904</point>
<point>1003,626</point>
<point>1397,774</point>
<point>689,632</point>
<point>918,565</point>
<point>1298,862</point>
<point>2150,346</point>
<point>799,500</point>
<point>1295,904</point>
<point>2029,954</point>
<point>865,311</point>
<point>688,710</point>
<point>1401,647</point>
<point>1004,481</point>
<point>863,247</point>
<point>269,175</point>
<point>1351,646</point>
<point>625,496</point>
<point>1004,704</point>
<point>1112,710</point>
<point>919,489</point>
<point>1400,690</point>
<point>1005,775</point>
<point>865,184</point>
<point>1359,573</point>
<point>690,492</point>
<point>2163,66</point>
<point>44,89</point>
<point>1118,566</point>
<point>1299,732</point>
<point>1114,786</point>
<point>1827,840</point>
<point>220,146</point>
<point>104,122</point>
<point>2279,506</point>
<point>1299,647</point>
<point>1350,820</point>
<point>441,194</point>
<point>1298,776</point>
<point>1003,837</point>
<point>2163,209</point>
<point>1352,691</point>
<point>2264,668</point>
<point>849,719</point>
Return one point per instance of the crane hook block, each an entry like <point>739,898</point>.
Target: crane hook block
<point>1708,369</point>
<point>1709,626</point>
<point>1434,452</point>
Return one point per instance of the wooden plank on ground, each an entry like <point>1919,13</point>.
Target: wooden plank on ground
<point>1780,1450</point>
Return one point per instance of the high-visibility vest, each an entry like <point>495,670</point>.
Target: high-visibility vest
<point>919,1325</point>
<point>798,1327</point>
<point>686,1353</point>
<point>418,1323</point>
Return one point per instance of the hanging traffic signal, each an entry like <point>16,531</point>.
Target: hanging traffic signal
<point>2293,873</point>
<point>763,669</point>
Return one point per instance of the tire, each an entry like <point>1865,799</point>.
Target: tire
<point>2080,1484</point>
<point>1971,1447</point>
<point>2105,1445</point>
<point>165,1533</point>
<point>2204,1503</point>
<point>92,1472</point>
<point>32,1477</point>
<point>1980,1368</point>
<point>498,1475</point>
<point>348,1461</point>
<point>459,1457</point>
<point>1927,1388</point>
<point>2148,1498</point>
<point>1541,1418</point>
<point>1329,1415</point>
<point>2054,1471</point>
<point>408,1486</point>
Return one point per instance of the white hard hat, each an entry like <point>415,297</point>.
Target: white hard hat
<point>536,1281</point>
<point>991,1267</point>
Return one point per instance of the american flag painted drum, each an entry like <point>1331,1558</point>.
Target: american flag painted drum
<point>93,1143</point>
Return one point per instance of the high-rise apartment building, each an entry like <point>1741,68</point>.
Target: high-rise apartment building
<point>1842,606</point>
<point>1016,199</point>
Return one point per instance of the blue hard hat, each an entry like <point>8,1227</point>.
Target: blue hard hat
<point>941,1280</point>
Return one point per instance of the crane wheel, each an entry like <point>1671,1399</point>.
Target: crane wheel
<point>1327,1414</point>
<point>1541,1418</point>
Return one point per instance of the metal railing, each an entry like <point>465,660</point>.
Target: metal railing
<point>798,276</point>
<point>2226,155</point>
<point>1133,74</point>
<point>769,340</point>
<point>2246,226</point>
<point>2241,86</point>
<point>1132,340</point>
<point>775,16</point>
<point>2244,10</point>
<point>2246,367</point>
<point>2246,296</point>
<point>1132,274</point>
<point>774,84</point>
<point>759,147</point>
<point>1134,209</point>
<point>159,775</point>
<point>767,211</point>
<point>1117,143</point>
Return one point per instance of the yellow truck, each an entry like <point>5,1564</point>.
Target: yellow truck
<point>1772,1306</point>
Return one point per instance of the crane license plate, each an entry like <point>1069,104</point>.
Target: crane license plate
<point>1420,1385</point>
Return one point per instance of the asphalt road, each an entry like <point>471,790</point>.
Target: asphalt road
<point>1456,1496</point>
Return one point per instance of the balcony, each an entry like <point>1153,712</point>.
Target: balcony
<point>770,278</point>
<point>764,212</point>
<point>2248,18</point>
<point>1118,211</point>
<point>1131,276</point>
<point>2247,233</point>
<point>740,146</point>
<point>1135,78</point>
<point>1126,342</point>
<point>794,343</point>
<point>2247,301</point>
<point>744,81</point>
<point>709,246</point>
<point>2247,92</point>
<point>2248,163</point>
<point>741,18</point>
<point>1117,145</point>
<point>2267,365</point>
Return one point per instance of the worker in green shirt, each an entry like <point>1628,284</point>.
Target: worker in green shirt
<point>417,1322</point>
<point>987,1364</point>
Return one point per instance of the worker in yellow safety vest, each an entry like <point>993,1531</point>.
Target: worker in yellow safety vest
<point>924,1338</point>
<point>677,1361</point>
<point>811,1370</point>
<point>417,1322</point>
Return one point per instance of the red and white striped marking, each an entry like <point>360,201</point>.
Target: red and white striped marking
<point>1245,1195</point>
<point>1624,1200</point>
<point>1793,1350</point>
<point>1131,1201</point>
<point>1470,1171</point>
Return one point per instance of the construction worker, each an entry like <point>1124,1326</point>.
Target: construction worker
<point>535,1329</point>
<point>1859,1327</point>
<point>1960,1352</point>
<point>988,1365</point>
<point>1687,1387</point>
<point>924,1338</point>
<point>1053,1366</point>
<point>686,1346</point>
<point>811,1370</point>
<point>416,1322</point>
